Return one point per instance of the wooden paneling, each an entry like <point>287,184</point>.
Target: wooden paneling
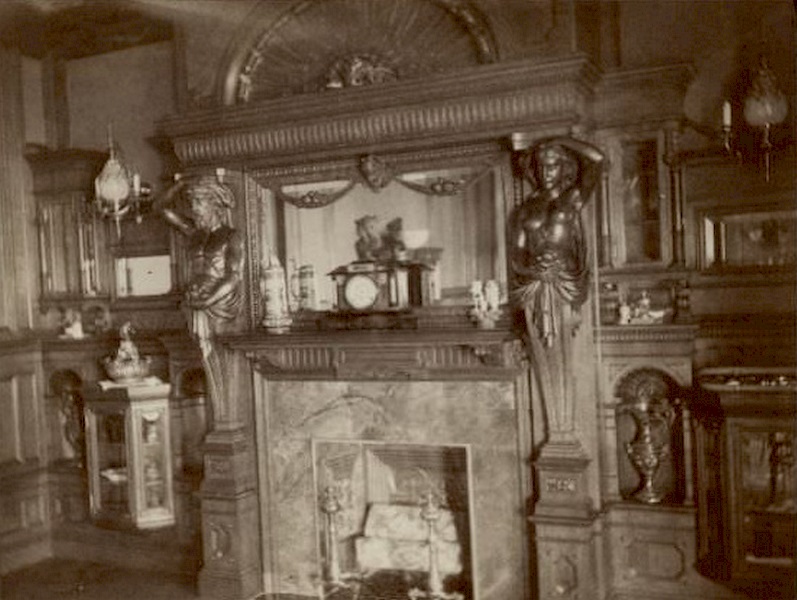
<point>24,510</point>
<point>20,431</point>
<point>22,427</point>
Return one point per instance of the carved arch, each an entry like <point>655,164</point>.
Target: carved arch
<point>646,380</point>
<point>293,51</point>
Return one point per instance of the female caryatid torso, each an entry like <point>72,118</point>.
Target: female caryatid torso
<point>550,246</point>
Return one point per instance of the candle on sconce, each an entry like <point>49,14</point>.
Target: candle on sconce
<point>726,114</point>
<point>136,184</point>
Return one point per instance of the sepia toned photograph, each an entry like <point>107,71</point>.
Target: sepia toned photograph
<point>398,299</point>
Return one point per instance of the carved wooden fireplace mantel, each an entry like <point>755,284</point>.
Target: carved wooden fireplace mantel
<point>435,387</point>
<point>423,355</point>
<point>395,403</point>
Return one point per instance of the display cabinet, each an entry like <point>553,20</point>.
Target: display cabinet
<point>747,510</point>
<point>129,454</point>
<point>73,265</point>
<point>635,212</point>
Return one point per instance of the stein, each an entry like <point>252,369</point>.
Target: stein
<point>306,287</point>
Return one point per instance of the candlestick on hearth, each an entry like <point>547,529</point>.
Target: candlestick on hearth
<point>334,578</point>
<point>430,513</point>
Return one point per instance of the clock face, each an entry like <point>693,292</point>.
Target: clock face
<point>361,292</point>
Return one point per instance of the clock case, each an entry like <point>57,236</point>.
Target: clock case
<point>400,285</point>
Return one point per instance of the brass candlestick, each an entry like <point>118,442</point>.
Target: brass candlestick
<point>430,513</point>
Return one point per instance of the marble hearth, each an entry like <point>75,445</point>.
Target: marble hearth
<point>458,420</point>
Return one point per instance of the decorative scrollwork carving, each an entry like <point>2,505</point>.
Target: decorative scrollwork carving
<point>565,576</point>
<point>358,70</point>
<point>489,355</point>
<point>220,541</point>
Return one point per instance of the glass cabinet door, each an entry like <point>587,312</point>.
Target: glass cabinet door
<point>130,458</point>
<point>765,503</point>
<point>634,219</point>
<point>108,463</point>
<point>153,494</point>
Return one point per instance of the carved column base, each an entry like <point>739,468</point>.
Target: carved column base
<point>567,558</point>
<point>229,463</point>
<point>561,470</point>
<point>230,522</point>
<point>230,540</point>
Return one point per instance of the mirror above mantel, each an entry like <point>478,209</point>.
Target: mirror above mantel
<point>451,222</point>
<point>449,207</point>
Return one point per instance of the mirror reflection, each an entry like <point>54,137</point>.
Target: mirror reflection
<point>447,220</point>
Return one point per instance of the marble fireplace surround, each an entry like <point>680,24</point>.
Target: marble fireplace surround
<point>466,389</point>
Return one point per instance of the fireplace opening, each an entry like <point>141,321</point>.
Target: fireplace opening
<point>395,520</point>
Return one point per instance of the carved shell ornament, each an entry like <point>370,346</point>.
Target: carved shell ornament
<point>322,45</point>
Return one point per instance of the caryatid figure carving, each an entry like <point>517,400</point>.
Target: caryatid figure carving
<point>548,245</point>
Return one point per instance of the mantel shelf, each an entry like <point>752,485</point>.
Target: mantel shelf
<point>462,354</point>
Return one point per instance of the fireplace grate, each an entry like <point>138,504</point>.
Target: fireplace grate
<point>391,585</point>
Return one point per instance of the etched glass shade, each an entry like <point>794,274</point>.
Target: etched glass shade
<point>112,185</point>
<point>765,104</point>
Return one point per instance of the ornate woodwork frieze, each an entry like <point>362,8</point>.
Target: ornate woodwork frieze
<point>628,347</point>
<point>624,334</point>
<point>501,98</point>
<point>413,355</point>
<point>471,155</point>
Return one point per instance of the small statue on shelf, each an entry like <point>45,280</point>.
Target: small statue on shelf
<point>127,351</point>
<point>393,246</point>
<point>368,243</point>
<point>73,325</point>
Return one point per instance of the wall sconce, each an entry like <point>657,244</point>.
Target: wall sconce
<point>117,192</point>
<point>764,106</point>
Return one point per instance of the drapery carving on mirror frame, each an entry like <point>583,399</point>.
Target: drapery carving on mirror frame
<point>329,192</point>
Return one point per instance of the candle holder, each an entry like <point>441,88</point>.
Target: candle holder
<point>334,578</point>
<point>430,513</point>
